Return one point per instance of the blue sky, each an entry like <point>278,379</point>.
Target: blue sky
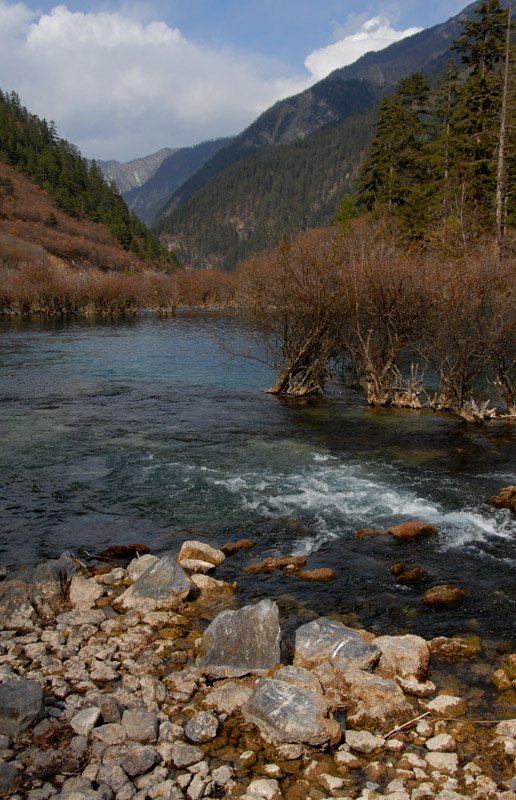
<point>123,79</point>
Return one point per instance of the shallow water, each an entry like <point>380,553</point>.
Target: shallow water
<point>144,429</point>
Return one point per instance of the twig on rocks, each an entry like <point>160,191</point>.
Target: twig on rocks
<point>407,724</point>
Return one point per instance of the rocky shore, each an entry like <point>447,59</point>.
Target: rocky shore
<point>146,681</point>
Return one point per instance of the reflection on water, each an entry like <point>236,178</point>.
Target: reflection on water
<point>145,429</point>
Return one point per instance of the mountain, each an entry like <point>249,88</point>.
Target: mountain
<point>134,173</point>
<point>238,201</point>
<point>344,92</point>
<point>147,199</point>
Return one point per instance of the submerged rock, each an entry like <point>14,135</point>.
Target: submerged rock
<point>328,640</point>
<point>233,547</point>
<point>407,531</point>
<point>321,574</point>
<point>444,596</point>
<point>243,641</point>
<point>506,498</point>
<point>455,648</point>
<point>164,586</point>
<point>291,713</point>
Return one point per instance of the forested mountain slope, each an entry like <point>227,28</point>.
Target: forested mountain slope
<point>233,227</point>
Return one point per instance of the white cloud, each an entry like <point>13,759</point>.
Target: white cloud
<point>120,85</point>
<point>121,88</point>
<point>373,34</point>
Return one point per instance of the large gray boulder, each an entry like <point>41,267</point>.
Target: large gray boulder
<point>239,642</point>
<point>21,705</point>
<point>291,713</point>
<point>163,587</point>
<point>48,582</point>
<point>328,640</point>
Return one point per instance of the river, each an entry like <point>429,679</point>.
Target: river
<point>144,429</point>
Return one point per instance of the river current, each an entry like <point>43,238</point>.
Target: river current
<point>144,429</point>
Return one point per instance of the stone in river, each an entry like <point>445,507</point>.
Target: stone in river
<point>444,596</point>
<point>233,547</point>
<point>403,656</point>
<point>243,641</point>
<point>321,574</point>
<point>164,586</point>
<point>291,713</point>
<point>505,499</point>
<point>199,551</point>
<point>407,531</point>
<point>328,640</point>
<point>21,705</point>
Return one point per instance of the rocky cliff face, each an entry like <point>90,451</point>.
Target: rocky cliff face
<point>134,173</point>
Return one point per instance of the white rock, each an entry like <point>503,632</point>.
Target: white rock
<point>448,763</point>
<point>84,592</point>
<point>363,741</point>
<point>264,789</point>
<point>446,705</point>
<point>330,782</point>
<point>140,565</point>
<point>345,759</point>
<point>507,728</point>
<point>85,721</point>
<point>442,743</point>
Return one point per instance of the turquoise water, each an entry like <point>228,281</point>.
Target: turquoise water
<point>147,429</point>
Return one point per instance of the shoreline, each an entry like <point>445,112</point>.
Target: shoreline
<point>102,659</point>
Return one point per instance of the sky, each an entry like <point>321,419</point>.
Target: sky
<point>123,79</point>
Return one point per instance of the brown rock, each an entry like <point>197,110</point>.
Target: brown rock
<point>398,568</point>
<point>297,562</point>
<point>200,551</point>
<point>454,649</point>
<point>233,547</point>
<point>444,596</point>
<point>411,530</point>
<point>364,532</point>
<point>412,576</point>
<point>122,551</point>
<point>501,680</point>
<point>322,574</point>
<point>403,656</point>
<point>269,565</point>
<point>505,499</point>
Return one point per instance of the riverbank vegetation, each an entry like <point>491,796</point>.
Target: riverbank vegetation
<point>407,327</point>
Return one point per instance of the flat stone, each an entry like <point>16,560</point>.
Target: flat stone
<point>113,775</point>
<point>239,642</point>
<point>454,648</point>
<point>448,763</point>
<point>184,755</point>
<point>137,567</point>
<point>291,713</point>
<point>328,640</point>
<point>84,592</point>
<point>112,733</point>
<point>343,758</point>
<point>80,617</point>
<point>404,656</point>
<point>200,551</point>
<point>412,686</point>
<point>196,565</point>
<point>442,743</point>
<point>140,725</point>
<point>163,587</point>
<point>202,727</point>
<point>363,741</point>
<point>299,676</point>
<point>321,574</point>
<point>228,698</point>
<point>446,705</point>
<point>84,721</point>
<point>264,789</point>
<point>233,547</point>
<point>21,705</point>
<point>138,759</point>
